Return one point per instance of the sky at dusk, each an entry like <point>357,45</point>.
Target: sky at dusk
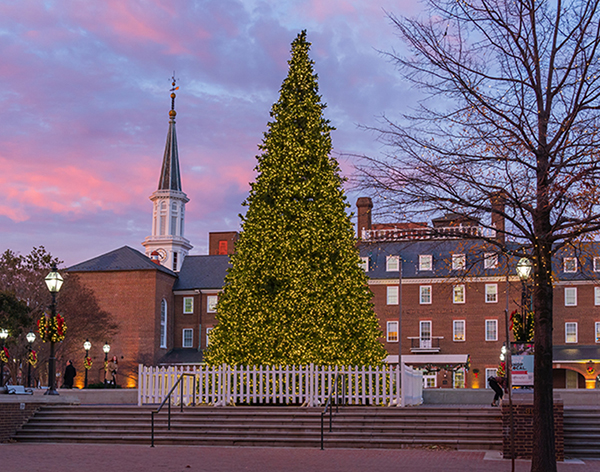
<point>84,101</point>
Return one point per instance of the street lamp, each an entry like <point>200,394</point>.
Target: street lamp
<point>30,340</point>
<point>3,336</point>
<point>53,281</point>
<point>106,349</point>
<point>524,267</point>
<point>87,345</point>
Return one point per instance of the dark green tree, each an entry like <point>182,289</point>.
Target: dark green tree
<point>296,293</point>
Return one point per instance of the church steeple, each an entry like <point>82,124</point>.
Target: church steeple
<point>170,178</point>
<point>169,201</point>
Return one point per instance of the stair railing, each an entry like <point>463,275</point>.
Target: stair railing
<point>328,405</point>
<point>167,400</point>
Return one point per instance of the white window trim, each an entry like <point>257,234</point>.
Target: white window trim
<point>422,264</point>
<point>597,333</point>
<point>208,303</point>
<point>392,263</point>
<point>392,294</point>
<point>490,372</point>
<point>596,263</point>
<point>455,323</point>
<point>183,333</point>
<point>392,327</point>
<point>495,293</point>
<point>572,323</point>
<point>490,260</point>
<point>458,288</point>
<point>208,330</point>
<point>572,290</point>
<point>191,310</point>
<point>421,289</point>
<point>459,261</point>
<point>495,322</point>
<point>597,296</point>
<point>570,259</point>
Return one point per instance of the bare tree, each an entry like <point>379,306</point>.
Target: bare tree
<point>510,105</point>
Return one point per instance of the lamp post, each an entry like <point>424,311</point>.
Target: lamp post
<point>524,267</point>
<point>106,349</point>
<point>3,336</point>
<point>30,340</point>
<point>87,345</point>
<point>53,281</point>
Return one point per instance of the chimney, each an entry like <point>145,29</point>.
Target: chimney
<point>498,201</point>
<point>364,206</point>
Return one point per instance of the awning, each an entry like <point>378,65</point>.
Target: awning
<point>436,362</point>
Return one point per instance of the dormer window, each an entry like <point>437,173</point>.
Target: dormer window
<point>425,262</point>
<point>392,264</point>
<point>490,260</point>
<point>364,263</point>
<point>570,264</point>
<point>459,261</point>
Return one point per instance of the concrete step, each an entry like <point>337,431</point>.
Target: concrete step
<point>464,428</point>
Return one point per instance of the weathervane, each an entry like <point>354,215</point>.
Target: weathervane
<point>173,88</point>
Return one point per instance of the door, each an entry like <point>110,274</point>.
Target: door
<point>425,334</point>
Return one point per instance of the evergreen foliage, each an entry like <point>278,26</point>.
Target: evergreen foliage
<point>296,293</point>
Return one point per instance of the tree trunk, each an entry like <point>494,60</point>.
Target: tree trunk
<point>543,453</point>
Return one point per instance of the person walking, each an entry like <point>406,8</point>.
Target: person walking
<point>70,374</point>
<point>496,384</point>
<point>111,371</point>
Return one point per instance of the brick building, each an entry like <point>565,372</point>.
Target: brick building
<point>437,295</point>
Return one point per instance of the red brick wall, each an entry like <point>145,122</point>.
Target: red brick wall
<point>134,300</point>
<point>523,430</point>
<point>213,241</point>
<point>12,417</point>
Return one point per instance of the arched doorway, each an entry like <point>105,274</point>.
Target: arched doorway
<point>567,378</point>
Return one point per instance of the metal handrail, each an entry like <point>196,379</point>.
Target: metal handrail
<point>168,397</point>
<point>329,400</point>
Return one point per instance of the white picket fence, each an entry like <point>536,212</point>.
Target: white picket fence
<point>307,385</point>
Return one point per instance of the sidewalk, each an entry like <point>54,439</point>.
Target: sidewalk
<point>106,457</point>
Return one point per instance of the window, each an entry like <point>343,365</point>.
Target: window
<point>392,295</point>
<point>163,323</point>
<point>425,334</point>
<point>188,337</point>
<point>429,380</point>
<point>570,264</point>
<point>597,332</point>
<point>491,330</point>
<point>458,378</point>
<point>570,296</point>
<point>211,303</point>
<point>459,294</point>
<point>490,260</point>
<point>175,261</point>
<point>490,373</point>
<point>596,264</point>
<point>364,263</point>
<point>223,247</point>
<point>174,219</point>
<point>491,293</point>
<point>425,294</point>
<point>188,305</point>
<point>163,218</point>
<point>596,296</point>
<point>459,261</point>
<point>392,331</point>
<point>181,222</point>
<point>459,330</point>
<point>570,332</point>
<point>392,263</point>
<point>425,262</point>
<point>208,330</point>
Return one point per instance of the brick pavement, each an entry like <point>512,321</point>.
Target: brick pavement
<point>125,458</point>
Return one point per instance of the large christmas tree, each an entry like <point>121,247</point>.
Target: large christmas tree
<point>296,293</point>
